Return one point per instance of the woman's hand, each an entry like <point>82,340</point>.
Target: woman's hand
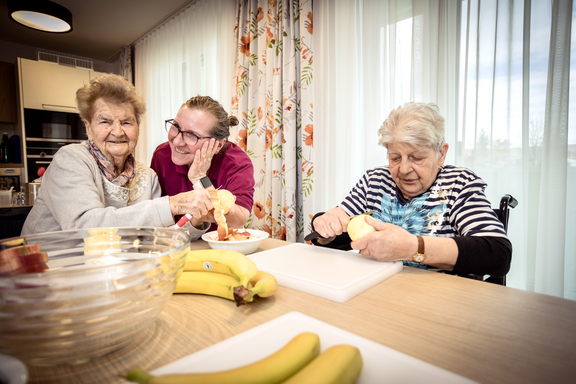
<point>389,243</point>
<point>331,224</point>
<point>202,160</point>
<point>197,203</point>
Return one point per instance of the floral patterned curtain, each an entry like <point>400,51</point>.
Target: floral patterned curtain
<point>126,63</point>
<point>274,103</point>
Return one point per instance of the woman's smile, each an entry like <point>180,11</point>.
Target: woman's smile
<point>181,152</point>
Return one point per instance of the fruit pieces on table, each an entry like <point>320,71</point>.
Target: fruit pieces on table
<point>276,368</point>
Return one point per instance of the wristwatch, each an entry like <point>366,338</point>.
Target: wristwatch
<point>202,183</point>
<point>420,256</point>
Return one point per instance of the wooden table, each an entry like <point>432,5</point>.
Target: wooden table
<point>486,332</point>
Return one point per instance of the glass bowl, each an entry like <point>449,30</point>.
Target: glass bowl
<point>243,246</point>
<point>104,286</point>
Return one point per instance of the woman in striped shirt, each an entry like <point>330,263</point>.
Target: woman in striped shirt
<point>426,214</point>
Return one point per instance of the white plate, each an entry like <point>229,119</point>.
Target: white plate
<point>328,273</point>
<point>381,364</point>
<point>12,370</point>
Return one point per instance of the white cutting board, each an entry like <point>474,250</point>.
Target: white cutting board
<point>380,364</point>
<point>328,273</point>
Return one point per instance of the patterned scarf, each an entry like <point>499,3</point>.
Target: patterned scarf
<point>107,168</point>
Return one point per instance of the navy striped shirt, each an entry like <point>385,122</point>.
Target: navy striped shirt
<point>455,204</point>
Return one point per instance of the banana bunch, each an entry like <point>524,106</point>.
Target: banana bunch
<point>299,361</point>
<point>226,274</point>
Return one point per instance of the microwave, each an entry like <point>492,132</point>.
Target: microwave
<point>53,125</point>
<point>46,133</point>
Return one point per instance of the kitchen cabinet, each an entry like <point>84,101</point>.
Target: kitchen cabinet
<point>94,74</point>
<point>47,109</point>
<point>50,86</point>
<point>8,110</point>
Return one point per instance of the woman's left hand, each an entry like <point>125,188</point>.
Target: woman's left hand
<point>389,243</point>
<point>202,160</point>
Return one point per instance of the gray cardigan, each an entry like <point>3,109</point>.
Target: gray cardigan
<point>75,194</point>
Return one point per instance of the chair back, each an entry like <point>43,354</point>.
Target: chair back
<point>503,213</point>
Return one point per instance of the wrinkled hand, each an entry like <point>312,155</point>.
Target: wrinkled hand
<point>202,160</point>
<point>331,224</point>
<point>389,243</point>
<point>197,203</point>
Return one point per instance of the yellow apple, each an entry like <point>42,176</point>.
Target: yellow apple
<point>358,227</point>
<point>227,200</point>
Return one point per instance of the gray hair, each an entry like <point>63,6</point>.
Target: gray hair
<point>418,124</point>
<point>112,88</point>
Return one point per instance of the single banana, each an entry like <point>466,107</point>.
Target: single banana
<point>213,284</point>
<point>272,369</point>
<point>222,261</point>
<point>262,284</point>
<point>339,364</point>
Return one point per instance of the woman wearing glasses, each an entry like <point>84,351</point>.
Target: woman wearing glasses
<point>99,183</point>
<point>198,157</point>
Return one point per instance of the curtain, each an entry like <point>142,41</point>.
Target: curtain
<point>274,102</point>
<point>190,54</point>
<point>500,73</point>
<point>126,63</point>
<point>515,133</point>
<point>373,56</point>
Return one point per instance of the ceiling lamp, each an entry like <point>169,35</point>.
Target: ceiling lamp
<point>42,15</point>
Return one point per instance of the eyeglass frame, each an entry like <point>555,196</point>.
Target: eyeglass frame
<point>180,131</point>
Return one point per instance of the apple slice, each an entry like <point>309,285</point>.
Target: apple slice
<point>35,268</point>
<point>17,264</point>
<point>19,251</point>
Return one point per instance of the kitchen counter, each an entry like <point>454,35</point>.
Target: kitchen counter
<point>485,332</point>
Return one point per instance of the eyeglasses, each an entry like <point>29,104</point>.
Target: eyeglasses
<point>173,130</point>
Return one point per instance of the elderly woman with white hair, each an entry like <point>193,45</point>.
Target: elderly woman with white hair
<point>427,214</point>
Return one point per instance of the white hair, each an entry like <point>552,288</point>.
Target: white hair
<point>418,124</point>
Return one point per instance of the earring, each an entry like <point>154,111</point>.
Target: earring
<point>440,168</point>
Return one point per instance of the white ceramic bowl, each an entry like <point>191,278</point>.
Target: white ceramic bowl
<point>95,298</point>
<point>243,246</point>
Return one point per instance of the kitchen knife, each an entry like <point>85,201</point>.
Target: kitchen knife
<point>314,235</point>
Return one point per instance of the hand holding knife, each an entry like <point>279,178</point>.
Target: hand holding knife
<point>314,235</point>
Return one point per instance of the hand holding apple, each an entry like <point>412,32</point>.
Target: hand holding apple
<point>388,242</point>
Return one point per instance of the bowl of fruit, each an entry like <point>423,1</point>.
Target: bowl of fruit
<point>70,296</point>
<point>244,241</point>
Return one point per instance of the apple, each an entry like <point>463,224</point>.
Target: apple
<point>358,227</point>
<point>227,200</point>
<point>21,250</point>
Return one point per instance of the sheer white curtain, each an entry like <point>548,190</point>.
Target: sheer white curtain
<point>372,56</point>
<point>515,132</point>
<point>190,54</point>
<point>500,73</point>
